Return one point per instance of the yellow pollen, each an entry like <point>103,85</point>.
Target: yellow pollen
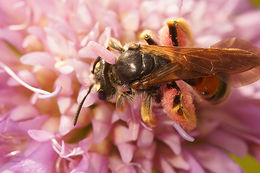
<point>98,86</point>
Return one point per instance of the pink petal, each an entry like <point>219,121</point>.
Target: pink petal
<point>23,112</point>
<point>66,69</point>
<point>82,71</point>
<point>229,142</point>
<point>101,123</point>
<point>82,166</point>
<point>111,19</point>
<point>152,22</point>
<point>125,116</point>
<point>38,59</point>
<point>64,104</point>
<point>121,134</point>
<point>245,135</point>
<point>35,123</point>
<point>65,124</point>
<point>126,169</point>
<point>90,100</point>
<point>172,140</point>
<point>40,161</point>
<point>13,37</point>
<point>146,152</point>
<point>219,163</point>
<point>26,76</point>
<point>92,35</point>
<point>101,130</point>
<point>23,126</point>
<point>93,50</point>
<point>98,163</point>
<point>255,151</point>
<point>165,166</point>
<point>82,19</point>
<point>36,31</point>
<point>105,36</point>
<point>194,165</point>
<point>65,28</point>
<point>57,44</point>
<point>40,135</point>
<point>117,166</point>
<point>243,23</point>
<point>86,143</point>
<point>145,138</point>
<point>65,82</point>
<point>130,21</point>
<point>65,151</point>
<point>134,128</point>
<point>178,161</point>
<point>126,151</point>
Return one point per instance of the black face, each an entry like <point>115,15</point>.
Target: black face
<point>101,71</point>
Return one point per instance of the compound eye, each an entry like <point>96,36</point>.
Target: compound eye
<point>102,94</point>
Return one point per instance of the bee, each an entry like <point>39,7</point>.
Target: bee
<point>153,71</point>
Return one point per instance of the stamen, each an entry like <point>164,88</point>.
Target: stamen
<point>182,132</point>
<point>42,93</point>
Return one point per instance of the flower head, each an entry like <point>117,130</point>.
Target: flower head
<point>47,51</point>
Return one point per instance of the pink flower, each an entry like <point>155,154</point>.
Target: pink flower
<point>47,51</point>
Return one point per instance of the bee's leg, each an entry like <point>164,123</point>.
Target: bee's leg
<point>121,103</point>
<point>116,45</point>
<point>121,100</point>
<point>149,37</point>
<point>180,33</point>
<point>146,111</point>
<point>172,26</point>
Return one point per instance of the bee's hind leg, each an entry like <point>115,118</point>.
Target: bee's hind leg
<point>146,111</point>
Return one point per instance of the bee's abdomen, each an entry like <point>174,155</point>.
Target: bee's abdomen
<point>210,88</point>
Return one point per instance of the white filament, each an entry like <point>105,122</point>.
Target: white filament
<point>182,132</point>
<point>42,93</point>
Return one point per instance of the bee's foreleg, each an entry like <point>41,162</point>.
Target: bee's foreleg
<point>146,111</point>
<point>116,45</point>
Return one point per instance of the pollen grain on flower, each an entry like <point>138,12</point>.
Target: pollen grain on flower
<point>47,49</point>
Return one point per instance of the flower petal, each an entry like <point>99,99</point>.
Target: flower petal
<point>126,151</point>
<point>219,163</point>
<point>98,163</point>
<point>40,135</point>
<point>101,122</point>
<point>229,142</point>
<point>194,165</point>
<point>145,138</point>
<point>93,50</point>
<point>172,140</point>
<point>23,112</point>
<point>90,100</point>
<point>65,124</point>
<point>38,59</point>
<point>41,161</point>
<point>82,166</point>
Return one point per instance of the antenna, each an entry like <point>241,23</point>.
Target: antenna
<point>81,104</point>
